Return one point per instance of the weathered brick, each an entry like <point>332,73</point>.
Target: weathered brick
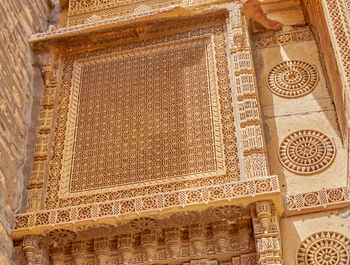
<point>18,20</point>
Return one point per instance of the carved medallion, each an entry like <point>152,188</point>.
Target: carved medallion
<point>143,223</point>
<point>326,248</point>
<point>61,235</point>
<point>292,79</point>
<point>307,152</point>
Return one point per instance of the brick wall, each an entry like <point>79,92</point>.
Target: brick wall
<point>19,82</point>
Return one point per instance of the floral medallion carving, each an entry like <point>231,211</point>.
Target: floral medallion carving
<point>292,79</point>
<point>62,235</point>
<point>326,248</point>
<point>143,223</point>
<point>307,152</point>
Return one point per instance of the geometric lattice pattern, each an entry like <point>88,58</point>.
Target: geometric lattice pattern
<point>164,122</point>
<point>320,198</point>
<point>88,11</point>
<point>143,116</point>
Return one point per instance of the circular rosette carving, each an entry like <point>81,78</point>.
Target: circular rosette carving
<point>292,79</point>
<point>228,212</point>
<point>61,236</point>
<point>143,223</point>
<point>307,152</point>
<point>324,248</point>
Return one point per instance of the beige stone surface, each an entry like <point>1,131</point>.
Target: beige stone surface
<point>286,12</point>
<point>244,216</point>
<point>283,116</point>
<point>294,230</point>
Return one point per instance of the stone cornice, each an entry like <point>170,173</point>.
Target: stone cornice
<point>119,25</point>
<point>237,193</point>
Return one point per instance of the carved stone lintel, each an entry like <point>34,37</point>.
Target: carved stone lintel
<point>204,262</point>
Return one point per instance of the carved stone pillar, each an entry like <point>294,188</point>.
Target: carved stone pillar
<point>197,238</point>
<point>30,248</point>
<point>149,244</point>
<point>57,255</point>
<point>245,233</point>
<point>78,252</point>
<point>47,72</point>
<point>125,248</point>
<point>101,250</point>
<point>266,232</point>
<point>172,240</point>
<point>220,235</point>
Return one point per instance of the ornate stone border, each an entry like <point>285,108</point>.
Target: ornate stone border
<point>267,40</point>
<point>115,208</point>
<point>53,199</point>
<point>320,198</point>
<point>232,47</point>
<point>104,9</point>
<point>338,16</point>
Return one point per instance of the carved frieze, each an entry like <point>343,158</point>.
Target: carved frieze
<point>200,237</point>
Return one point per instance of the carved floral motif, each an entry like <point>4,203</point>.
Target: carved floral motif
<point>307,152</point>
<point>326,248</point>
<point>292,79</point>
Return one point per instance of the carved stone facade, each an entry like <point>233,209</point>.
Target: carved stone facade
<point>186,132</point>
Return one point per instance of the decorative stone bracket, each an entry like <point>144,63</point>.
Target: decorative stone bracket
<point>267,233</point>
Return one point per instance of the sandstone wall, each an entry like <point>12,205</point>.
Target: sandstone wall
<point>20,82</point>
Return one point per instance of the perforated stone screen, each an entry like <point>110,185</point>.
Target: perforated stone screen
<point>143,116</point>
